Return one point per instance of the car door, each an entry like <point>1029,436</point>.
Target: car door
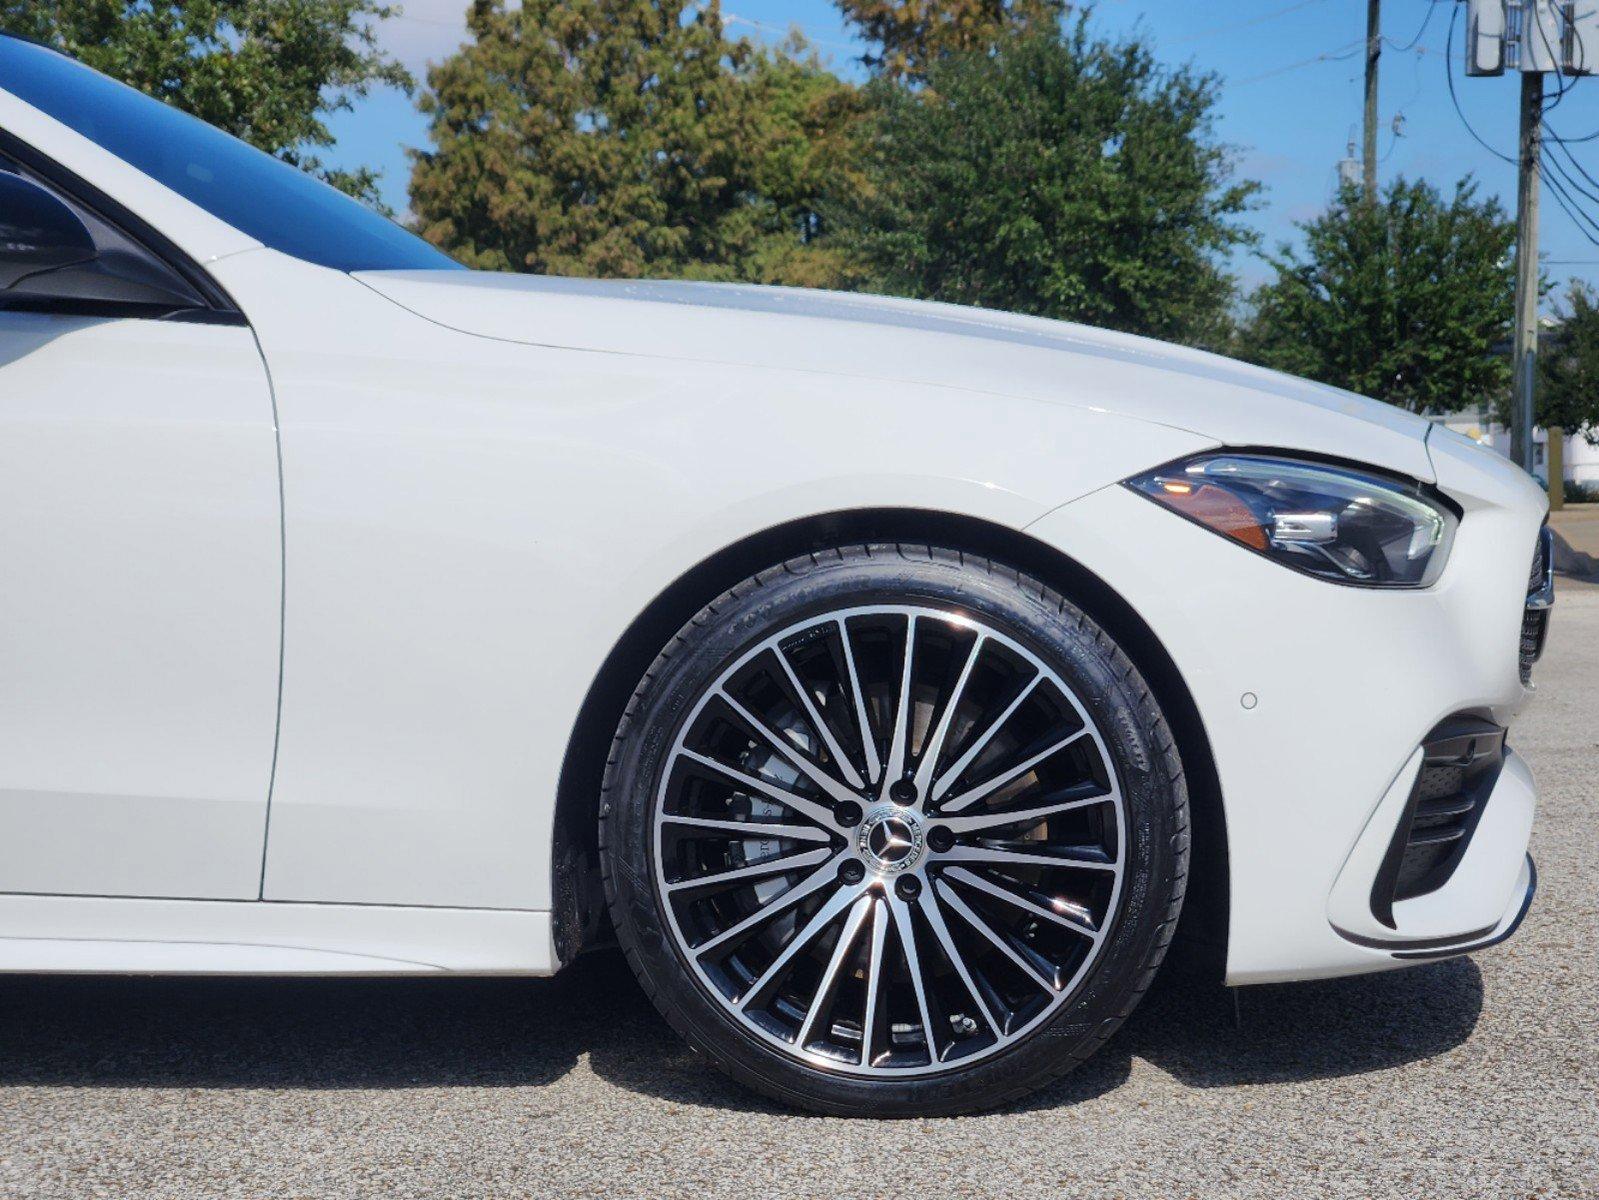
<point>140,561</point>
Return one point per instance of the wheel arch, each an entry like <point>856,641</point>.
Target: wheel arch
<point>578,903</point>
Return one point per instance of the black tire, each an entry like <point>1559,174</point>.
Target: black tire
<point>1140,746</point>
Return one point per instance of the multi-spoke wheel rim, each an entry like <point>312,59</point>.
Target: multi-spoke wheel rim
<point>890,841</point>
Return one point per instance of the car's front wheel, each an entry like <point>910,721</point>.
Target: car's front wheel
<point>894,830</point>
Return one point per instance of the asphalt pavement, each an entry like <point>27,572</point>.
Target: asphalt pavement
<point>1474,1077</point>
<point>1578,526</point>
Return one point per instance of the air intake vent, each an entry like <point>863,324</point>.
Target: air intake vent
<point>1461,764</point>
<point>1540,601</point>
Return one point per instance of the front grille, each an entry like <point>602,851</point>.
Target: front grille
<point>1540,601</point>
<point>1534,633</point>
<point>1460,765</point>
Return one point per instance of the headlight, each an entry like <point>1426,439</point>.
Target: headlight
<point>1333,522</point>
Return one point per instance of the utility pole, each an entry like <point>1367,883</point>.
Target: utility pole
<point>1373,58</point>
<point>1533,38</point>
<point>1522,448</point>
<point>1556,462</point>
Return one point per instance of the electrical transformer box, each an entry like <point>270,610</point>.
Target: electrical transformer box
<point>1487,24</point>
<point>1582,38</point>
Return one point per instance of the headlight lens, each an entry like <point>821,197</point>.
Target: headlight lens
<point>1333,522</point>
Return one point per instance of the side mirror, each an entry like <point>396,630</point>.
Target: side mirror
<point>37,232</point>
<point>48,257</point>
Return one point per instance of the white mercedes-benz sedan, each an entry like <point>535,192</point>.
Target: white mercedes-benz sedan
<point>880,675</point>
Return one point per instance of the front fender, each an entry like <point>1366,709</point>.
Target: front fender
<point>472,524</point>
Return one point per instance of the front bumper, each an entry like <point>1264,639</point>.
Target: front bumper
<point>1422,949</point>
<point>1316,699</point>
<point>1486,888</point>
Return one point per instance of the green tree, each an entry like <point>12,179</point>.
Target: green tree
<point>806,160</point>
<point>267,71</point>
<point>1402,300</point>
<point>908,36</point>
<point>1061,176</point>
<point>628,138</point>
<point>1568,386</point>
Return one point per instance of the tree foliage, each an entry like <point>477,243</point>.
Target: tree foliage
<point>1568,386</point>
<point>1062,176</point>
<point>267,71</point>
<point>908,36</point>
<point>1401,299</point>
<point>630,138</point>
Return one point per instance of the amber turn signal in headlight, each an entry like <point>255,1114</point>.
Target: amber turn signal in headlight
<point>1333,522</point>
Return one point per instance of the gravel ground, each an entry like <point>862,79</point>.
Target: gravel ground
<point>1579,525</point>
<point>1465,1078</point>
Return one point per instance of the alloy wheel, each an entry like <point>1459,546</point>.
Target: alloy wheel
<point>889,840</point>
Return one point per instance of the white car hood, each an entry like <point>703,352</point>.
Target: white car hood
<point>945,345</point>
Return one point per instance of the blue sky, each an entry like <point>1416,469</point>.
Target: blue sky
<point>1290,99</point>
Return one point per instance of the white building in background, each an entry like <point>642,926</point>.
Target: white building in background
<point>1581,459</point>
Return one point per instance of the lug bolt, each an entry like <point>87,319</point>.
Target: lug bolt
<point>902,792</point>
<point>848,814</point>
<point>940,840</point>
<point>852,872</point>
<point>908,887</point>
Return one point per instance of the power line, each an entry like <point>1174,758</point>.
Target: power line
<point>774,32</point>
<point>438,21</point>
<point>1585,223</point>
<point>1588,137</point>
<point>1338,54</point>
<point>1562,184</point>
<point>1565,185</point>
<point>1421,53</point>
<point>1449,74</point>
<point>1573,158</point>
<point>1564,206</point>
<point>1260,20</point>
<point>1572,186</point>
<point>1393,144</point>
<point>1432,11</point>
<point>1341,54</point>
<point>1566,143</point>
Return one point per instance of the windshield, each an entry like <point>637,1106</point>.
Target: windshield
<point>277,204</point>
